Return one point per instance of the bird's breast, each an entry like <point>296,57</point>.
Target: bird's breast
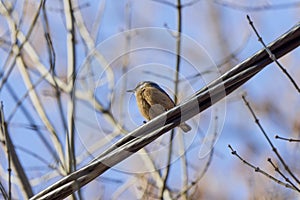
<point>143,106</point>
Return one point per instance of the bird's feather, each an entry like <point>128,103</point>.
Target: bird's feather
<point>154,96</point>
<point>152,101</point>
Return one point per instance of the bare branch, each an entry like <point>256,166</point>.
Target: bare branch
<point>259,170</point>
<point>150,131</point>
<point>272,56</point>
<point>258,8</point>
<point>286,167</point>
<point>287,139</point>
<point>281,174</point>
<point>14,160</point>
<point>176,85</point>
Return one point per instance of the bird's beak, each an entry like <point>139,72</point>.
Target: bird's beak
<point>130,91</point>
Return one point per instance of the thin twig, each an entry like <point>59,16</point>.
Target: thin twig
<point>13,54</point>
<point>17,57</point>
<point>24,110</point>
<point>71,78</point>
<point>36,155</point>
<point>283,176</point>
<point>183,5</point>
<point>32,24</point>
<point>257,169</point>
<point>13,160</point>
<point>88,40</point>
<point>40,109</point>
<point>70,140</point>
<point>287,139</point>
<point>272,56</point>
<point>232,56</point>
<point>22,99</point>
<point>165,2</point>
<point>191,3</point>
<point>259,7</point>
<point>150,131</point>
<point>98,19</point>
<point>94,53</point>
<point>129,183</point>
<point>52,61</point>
<point>3,130</point>
<point>3,192</point>
<point>187,187</point>
<point>286,167</point>
<point>176,83</point>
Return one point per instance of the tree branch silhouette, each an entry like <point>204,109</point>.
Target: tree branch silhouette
<point>147,133</point>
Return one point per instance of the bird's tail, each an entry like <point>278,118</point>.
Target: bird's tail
<point>185,127</point>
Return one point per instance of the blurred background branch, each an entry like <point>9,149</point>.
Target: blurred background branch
<point>146,134</point>
<point>65,69</point>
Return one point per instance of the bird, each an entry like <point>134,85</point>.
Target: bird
<point>152,101</point>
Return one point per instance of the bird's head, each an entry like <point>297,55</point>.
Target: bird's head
<point>142,85</point>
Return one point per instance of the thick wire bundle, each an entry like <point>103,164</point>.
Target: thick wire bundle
<point>147,133</point>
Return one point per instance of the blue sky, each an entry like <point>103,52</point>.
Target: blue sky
<point>218,31</point>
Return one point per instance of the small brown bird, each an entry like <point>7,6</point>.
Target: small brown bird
<point>152,101</point>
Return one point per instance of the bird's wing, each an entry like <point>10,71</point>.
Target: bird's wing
<point>155,96</point>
